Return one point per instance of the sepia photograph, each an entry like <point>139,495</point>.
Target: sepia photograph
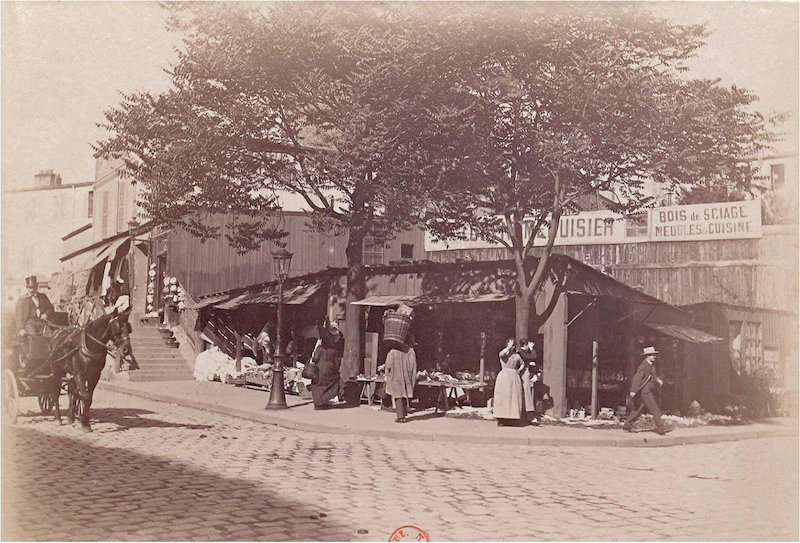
<point>399,271</point>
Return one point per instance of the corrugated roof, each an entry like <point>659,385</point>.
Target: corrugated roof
<point>269,295</point>
<point>205,302</point>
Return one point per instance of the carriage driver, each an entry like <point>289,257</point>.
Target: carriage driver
<point>31,308</point>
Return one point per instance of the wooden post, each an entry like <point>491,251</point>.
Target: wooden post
<point>439,348</point>
<point>555,345</point>
<point>483,355</point>
<point>594,379</point>
<point>238,351</point>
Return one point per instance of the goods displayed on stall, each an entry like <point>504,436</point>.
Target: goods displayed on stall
<point>464,389</point>
<point>174,295</point>
<point>459,390</point>
<point>607,379</point>
<point>151,291</point>
<point>214,365</point>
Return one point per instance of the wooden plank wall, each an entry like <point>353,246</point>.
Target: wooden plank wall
<point>213,266</point>
<point>754,273</point>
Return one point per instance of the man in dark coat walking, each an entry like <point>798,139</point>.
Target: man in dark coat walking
<point>643,386</point>
<point>31,308</point>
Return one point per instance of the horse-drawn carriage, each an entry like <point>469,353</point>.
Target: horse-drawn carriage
<point>62,358</point>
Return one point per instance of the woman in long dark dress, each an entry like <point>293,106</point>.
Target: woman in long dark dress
<point>326,358</point>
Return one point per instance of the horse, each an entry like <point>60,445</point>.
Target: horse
<point>81,353</point>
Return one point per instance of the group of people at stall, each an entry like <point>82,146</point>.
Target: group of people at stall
<point>513,402</point>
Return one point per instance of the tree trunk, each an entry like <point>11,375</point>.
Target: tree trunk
<point>356,290</point>
<point>522,305</point>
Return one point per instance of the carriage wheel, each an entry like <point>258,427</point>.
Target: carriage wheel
<point>46,403</point>
<point>10,397</point>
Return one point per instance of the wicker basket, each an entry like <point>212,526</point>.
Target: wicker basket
<point>395,326</point>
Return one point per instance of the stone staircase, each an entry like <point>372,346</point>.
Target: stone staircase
<point>158,359</point>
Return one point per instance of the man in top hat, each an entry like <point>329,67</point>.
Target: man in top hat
<point>31,308</point>
<point>643,386</point>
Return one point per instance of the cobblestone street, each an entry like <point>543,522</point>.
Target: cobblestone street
<point>154,471</point>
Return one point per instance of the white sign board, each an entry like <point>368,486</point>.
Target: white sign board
<point>725,220</point>
<point>589,227</point>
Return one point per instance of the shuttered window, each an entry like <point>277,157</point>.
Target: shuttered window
<point>122,204</point>
<point>104,223</point>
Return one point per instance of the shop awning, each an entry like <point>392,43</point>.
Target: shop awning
<point>105,252</point>
<point>431,299</point>
<point>295,295</point>
<point>205,302</point>
<point>683,332</point>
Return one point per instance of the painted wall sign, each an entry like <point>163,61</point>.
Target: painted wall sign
<point>587,228</point>
<point>726,220</point>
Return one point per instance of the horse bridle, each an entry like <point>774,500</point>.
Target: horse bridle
<point>86,334</point>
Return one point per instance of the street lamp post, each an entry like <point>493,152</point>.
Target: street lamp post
<point>281,259</point>
<point>132,225</point>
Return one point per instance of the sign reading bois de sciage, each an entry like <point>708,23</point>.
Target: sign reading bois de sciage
<point>696,222</point>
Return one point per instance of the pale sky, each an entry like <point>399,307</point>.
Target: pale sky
<point>63,63</point>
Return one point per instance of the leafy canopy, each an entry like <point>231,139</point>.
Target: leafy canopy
<point>325,101</point>
<point>558,103</point>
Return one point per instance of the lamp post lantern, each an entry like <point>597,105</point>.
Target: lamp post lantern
<point>281,260</point>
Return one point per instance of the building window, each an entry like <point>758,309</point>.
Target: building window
<point>90,207</point>
<point>636,225</point>
<point>407,250</point>
<point>104,224</point>
<point>778,175</point>
<point>121,207</point>
<point>373,251</point>
<point>746,346</point>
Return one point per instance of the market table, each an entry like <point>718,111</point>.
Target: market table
<point>365,381</point>
<point>447,390</point>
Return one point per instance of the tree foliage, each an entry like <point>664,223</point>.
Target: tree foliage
<point>562,102</point>
<point>315,99</point>
<point>465,115</point>
<point>325,101</point>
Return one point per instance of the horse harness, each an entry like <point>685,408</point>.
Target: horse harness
<point>83,347</point>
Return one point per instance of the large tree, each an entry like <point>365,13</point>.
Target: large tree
<point>559,102</point>
<point>322,100</point>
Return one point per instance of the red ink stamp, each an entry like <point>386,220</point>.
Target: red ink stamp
<point>410,532</point>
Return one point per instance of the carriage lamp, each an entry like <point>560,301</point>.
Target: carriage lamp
<point>281,260</point>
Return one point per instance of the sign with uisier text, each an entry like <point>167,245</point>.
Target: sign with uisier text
<point>586,228</point>
<point>724,220</point>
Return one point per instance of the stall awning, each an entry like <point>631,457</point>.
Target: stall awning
<point>431,299</point>
<point>106,252</point>
<point>295,295</point>
<point>683,332</point>
<point>205,302</point>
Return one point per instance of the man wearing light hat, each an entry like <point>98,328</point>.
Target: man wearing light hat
<point>643,386</point>
<point>31,308</point>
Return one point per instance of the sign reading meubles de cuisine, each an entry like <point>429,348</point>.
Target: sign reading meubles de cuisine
<point>696,222</point>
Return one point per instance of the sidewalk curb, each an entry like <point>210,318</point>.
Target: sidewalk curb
<point>267,417</point>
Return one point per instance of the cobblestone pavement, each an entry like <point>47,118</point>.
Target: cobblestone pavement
<point>153,471</point>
